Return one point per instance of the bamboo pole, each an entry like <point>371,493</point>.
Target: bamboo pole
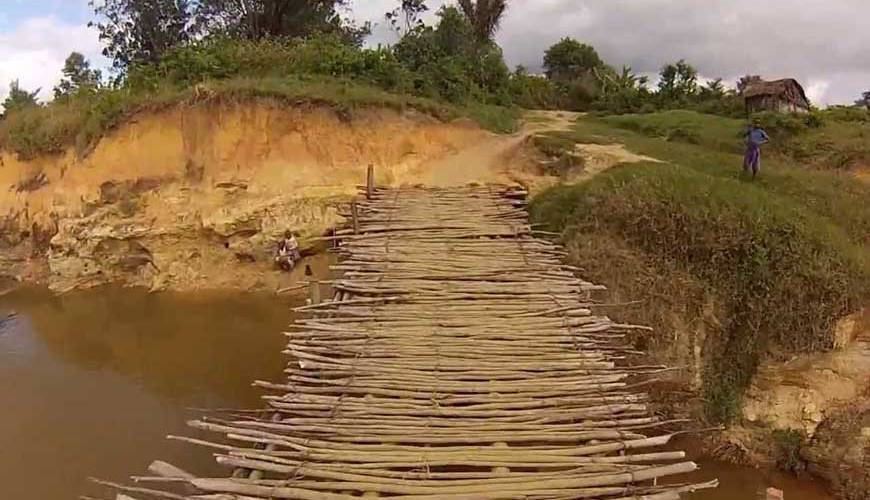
<point>460,358</point>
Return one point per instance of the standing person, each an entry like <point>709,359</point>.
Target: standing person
<point>755,137</point>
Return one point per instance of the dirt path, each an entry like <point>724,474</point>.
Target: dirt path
<point>601,157</point>
<point>500,158</point>
<point>492,160</point>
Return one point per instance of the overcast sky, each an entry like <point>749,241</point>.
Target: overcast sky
<point>823,43</point>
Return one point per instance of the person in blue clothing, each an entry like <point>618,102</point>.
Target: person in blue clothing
<point>755,137</point>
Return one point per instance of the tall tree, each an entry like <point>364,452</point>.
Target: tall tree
<point>454,34</point>
<point>570,60</point>
<point>408,16</point>
<point>140,31</point>
<point>259,19</point>
<point>19,98</point>
<point>864,100</point>
<point>678,80</point>
<point>484,15</point>
<point>77,77</point>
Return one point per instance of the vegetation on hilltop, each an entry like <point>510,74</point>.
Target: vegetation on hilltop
<point>167,52</point>
<point>162,50</point>
<point>765,268</point>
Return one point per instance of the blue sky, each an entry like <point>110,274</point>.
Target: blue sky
<point>822,43</point>
<point>13,12</point>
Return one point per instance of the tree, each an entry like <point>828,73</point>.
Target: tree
<point>624,80</point>
<point>77,77</point>
<point>714,89</point>
<point>408,16</point>
<point>570,60</point>
<point>447,60</point>
<point>865,100</point>
<point>454,34</point>
<point>140,31</point>
<point>678,80</point>
<point>746,81</point>
<point>259,19</point>
<point>484,16</point>
<point>19,98</point>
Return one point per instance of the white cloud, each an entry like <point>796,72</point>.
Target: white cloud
<point>817,90</point>
<point>34,51</point>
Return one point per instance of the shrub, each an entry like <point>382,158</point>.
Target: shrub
<point>534,92</point>
<point>847,114</point>
<point>787,445</point>
<point>427,63</point>
<point>784,126</point>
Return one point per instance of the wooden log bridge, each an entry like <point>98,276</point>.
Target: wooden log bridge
<point>459,359</point>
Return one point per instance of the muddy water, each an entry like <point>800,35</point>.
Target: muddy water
<point>91,383</point>
<point>745,483</point>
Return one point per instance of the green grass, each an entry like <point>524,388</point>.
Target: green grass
<point>840,198</point>
<point>81,122</point>
<point>782,258</point>
<point>713,132</point>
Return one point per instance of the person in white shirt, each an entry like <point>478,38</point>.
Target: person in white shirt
<point>288,252</point>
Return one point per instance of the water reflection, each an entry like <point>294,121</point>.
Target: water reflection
<point>91,383</point>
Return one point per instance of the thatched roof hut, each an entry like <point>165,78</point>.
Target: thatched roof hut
<point>785,95</point>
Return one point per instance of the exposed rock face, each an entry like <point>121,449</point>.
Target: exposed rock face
<point>797,394</point>
<point>164,244</point>
<point>840,450</point>
<point>824,399</point>
<point>196,198</point>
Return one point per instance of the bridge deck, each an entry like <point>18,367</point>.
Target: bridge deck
<point>462,359</point>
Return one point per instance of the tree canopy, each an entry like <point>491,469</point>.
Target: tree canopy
<point>484,15</point>
<point>678,80</point>
<point>140,31</point>
<point>77,76</point>
<point>408,16</point>
<point>570,60</point>
<point>19,98</point>
<point>258,19</point>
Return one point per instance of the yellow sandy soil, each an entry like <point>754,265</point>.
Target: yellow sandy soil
<point>195,197</point>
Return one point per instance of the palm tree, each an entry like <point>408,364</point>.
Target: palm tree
<point>484,16</point>
<point>626,79</point>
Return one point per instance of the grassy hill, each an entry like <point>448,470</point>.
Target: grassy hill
<point>763,268</point>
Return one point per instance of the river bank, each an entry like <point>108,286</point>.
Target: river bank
<point>94,380</point>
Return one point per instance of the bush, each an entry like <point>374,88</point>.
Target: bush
<point>427,64</point>
<point>787,445</point>
<point>534,92</point>
<point>784,126</point>
<point>448,62</point>
<point>847,114</point>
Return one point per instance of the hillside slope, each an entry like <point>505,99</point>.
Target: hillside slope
<point>734,275</point>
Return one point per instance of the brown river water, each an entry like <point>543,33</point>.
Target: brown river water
<point>92,382</point>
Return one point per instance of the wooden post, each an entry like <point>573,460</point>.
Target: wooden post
<point>355,213</point>
<point>370,182</point>
<point>314,291</point>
